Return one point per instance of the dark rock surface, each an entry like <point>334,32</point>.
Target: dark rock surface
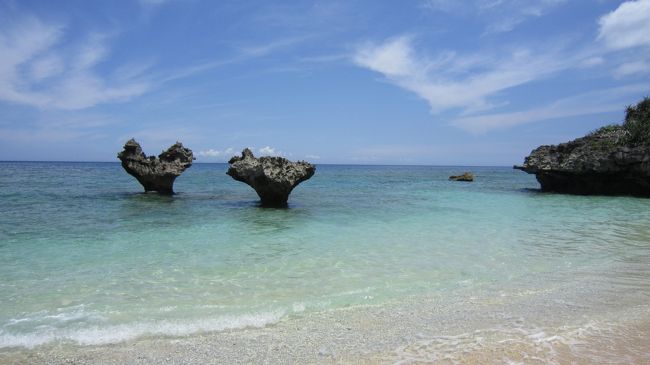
<point>273,178</point>
<point>466,176</point>
<point>156,173</point>
<point>601,163</point>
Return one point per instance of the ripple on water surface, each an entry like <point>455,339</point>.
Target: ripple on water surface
<point>85,257</point>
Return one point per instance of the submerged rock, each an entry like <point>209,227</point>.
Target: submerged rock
<point>156,173</point>
<point>603,163</point>
<point>273,178</point>
<point>466,176</point>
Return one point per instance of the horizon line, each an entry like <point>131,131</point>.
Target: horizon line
<point>225,163</point>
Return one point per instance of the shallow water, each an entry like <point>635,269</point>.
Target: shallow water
<point>86,258</point>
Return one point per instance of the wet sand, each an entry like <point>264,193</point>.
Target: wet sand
<point>529,327</point>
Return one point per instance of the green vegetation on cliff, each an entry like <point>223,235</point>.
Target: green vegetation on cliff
<point>637,123</point>
<point>635,130</point>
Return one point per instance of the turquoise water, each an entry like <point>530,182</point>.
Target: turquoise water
<point>86,258</point>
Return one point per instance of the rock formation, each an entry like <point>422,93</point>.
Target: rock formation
<point>466,176</point>
<point>156,173</point>
<point>273,178</point>
<point>603,163</point>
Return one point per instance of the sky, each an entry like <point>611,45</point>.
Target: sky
<point>433,82</point>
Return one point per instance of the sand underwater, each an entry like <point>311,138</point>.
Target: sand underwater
<point>370,264</point>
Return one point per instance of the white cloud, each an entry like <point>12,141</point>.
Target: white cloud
<point>394,58</point>
<point>267,150</point>
<point>627,26</point>
<point>57,77</point>
<point>470,85</point>
<point>211,153</point>
<point>452,81</point>
<point>602,101</point>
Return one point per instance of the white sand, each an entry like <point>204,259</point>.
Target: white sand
<point>525,327</point>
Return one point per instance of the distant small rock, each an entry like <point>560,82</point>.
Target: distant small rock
<point>273,178</point>
<point>467,176</point>
<point>156,173</point>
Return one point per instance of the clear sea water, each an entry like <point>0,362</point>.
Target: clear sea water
<point>86,258</point>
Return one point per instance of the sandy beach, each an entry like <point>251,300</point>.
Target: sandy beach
<point>529,327</point>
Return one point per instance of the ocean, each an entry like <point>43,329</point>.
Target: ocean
<point>87,259</point>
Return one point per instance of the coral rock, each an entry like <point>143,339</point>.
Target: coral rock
<point>467,176</point>
<point>156,173</point>
<point>273,178</point>
<point>600,163</point>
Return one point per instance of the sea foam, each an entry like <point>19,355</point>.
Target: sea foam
<point>100,335</point>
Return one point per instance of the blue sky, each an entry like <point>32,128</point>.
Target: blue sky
<point>381,82</point>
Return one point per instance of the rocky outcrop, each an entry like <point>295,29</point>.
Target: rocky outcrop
<point>601,163</point>
<point>273,178</point>
<point>156,173</point>
<point>466,176</point>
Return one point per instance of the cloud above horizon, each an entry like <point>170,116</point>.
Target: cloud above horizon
<point>212,153</point>
<point>35,71</point>
<point>271,151</point>
<point>469,86</point>
<point>595,102</point>
<point>349,81</point>
<point>449,80</point>
<point>627,26</point>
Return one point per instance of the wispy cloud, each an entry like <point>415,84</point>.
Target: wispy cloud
<point>627,26</point>
<point>593,61</point>
<point>453,81</point>
<point>34,71</point>
<point>57,127</point>
<point>153,2</point>
<point>608,100</point>
<point>472,85</point>
<point>247,52</point>
<point>40,67</point>
<point>514,12</point>
<point>243,53</point>
<point>325,58</point>
<point>499,15</point>
<point>45,67</point>
<point>632,69</point>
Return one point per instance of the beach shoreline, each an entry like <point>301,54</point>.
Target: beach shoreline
<point>522,327</point>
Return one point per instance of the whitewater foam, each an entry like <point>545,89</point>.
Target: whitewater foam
<point>99,335</point>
